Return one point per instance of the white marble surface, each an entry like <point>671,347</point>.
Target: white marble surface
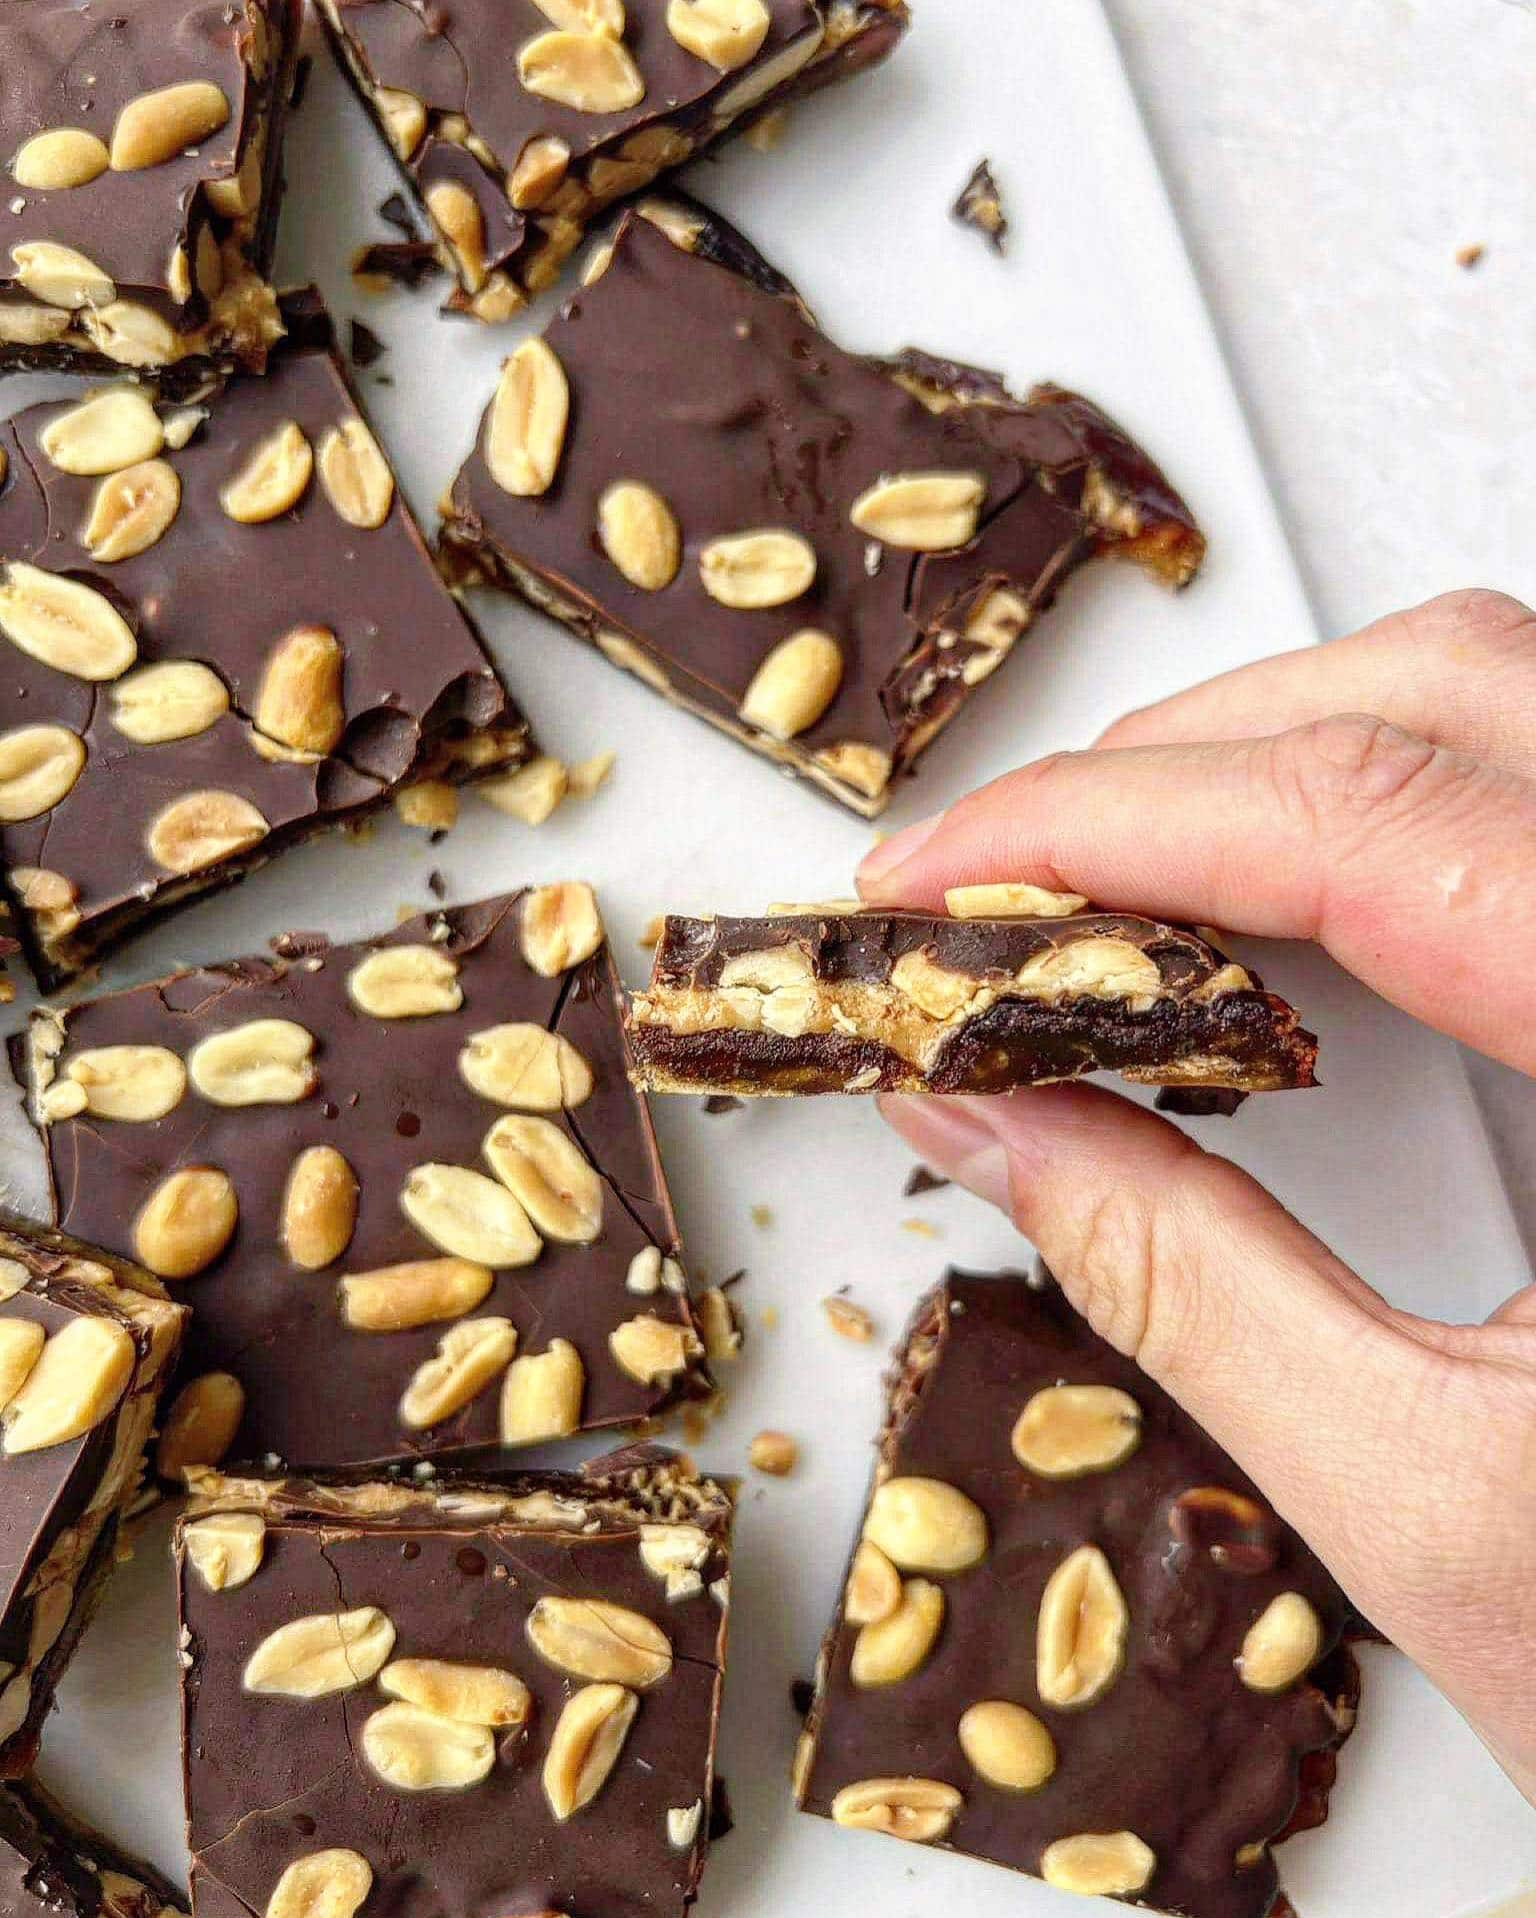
<point>1327,162</point>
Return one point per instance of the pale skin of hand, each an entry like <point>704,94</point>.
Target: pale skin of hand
<point>1376,795</point>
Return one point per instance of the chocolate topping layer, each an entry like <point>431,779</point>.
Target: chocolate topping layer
<point>840,1000</point>
<point>389,1094</point>
<point>1176,1749</point>
<point>457,1575</point>
<point>412,683</point>
<point>694,371</point>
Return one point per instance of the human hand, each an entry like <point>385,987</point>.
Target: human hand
<point>1404,843</point>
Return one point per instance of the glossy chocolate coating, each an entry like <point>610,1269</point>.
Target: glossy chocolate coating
<point>700,373</point>
<point>458,58</point>
<point>78,63</point>
<point>1234,1038</point>
<point>47,1493</point>
<point>51,1866</point>
<point>1177,1749</point>
<point>272,1778</point>
<point>389,1097</point>
<point>415,682</point>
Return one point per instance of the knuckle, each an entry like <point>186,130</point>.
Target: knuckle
<point>1334,770</point>
<point>1134,1276</point>
<point>1474,619</point>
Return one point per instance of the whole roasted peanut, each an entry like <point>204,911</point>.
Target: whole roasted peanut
<point>924,1525</point>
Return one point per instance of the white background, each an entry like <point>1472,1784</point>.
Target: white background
<point>1387,1161</point>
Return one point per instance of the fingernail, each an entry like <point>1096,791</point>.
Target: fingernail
<point>895,851</point>
<point>952,1136</point>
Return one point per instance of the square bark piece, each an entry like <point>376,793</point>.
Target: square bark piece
<point>1075,1639</point>
<point>85,1345</point>
<point>143,150</point>
<point>516,122</point>
<point>52,1866</point>
<point>840,999</point>
<point>824,555</point>
<point>377,1172</point>
<point>220,632</point>
<point>472,1699</point>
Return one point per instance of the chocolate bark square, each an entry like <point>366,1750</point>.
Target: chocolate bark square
<point>220,631</point>
<point>86,1343</point>
<point>405,1185</point>
<point>144,152</point>
<point>1074,1638</point>
<point>824,555</point>
<point>464,1698</point>
<point>517,122</point>
<point>841,998</point>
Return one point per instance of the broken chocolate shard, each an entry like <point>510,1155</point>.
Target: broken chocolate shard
<point>532,1669</point>
<point>364,347</point>
<point>980,205</point>
<point>719,1102</point>
<point>514,142</point>
<point>147,144</point>
<point>920,1180</point>
<point>466,1242</point>
<point>935,516</point>
<point>1023,1513</point>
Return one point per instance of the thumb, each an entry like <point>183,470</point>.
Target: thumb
<point>1184,1263</point>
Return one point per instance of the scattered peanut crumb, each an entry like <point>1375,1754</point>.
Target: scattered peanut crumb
<point>770,1317</point>
<point>762,1217</point>
<point>767,130</point>
<point>431,804</point>
<point>584,778</point>
<point>774,1453</point>
<point>650,939</point>
<point>531,793</point>
<point>921,1229</point>
<point>848,1320</point>
<point>718,1325</point>
<point>1470,256</point>
<point>697,1417</point>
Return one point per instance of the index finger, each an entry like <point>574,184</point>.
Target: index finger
<point>1410,864</point>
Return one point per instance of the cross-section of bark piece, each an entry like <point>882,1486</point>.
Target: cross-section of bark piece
<point>839,999</point>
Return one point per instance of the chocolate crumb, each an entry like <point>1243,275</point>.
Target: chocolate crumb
<point>921,1180</point>
<point>364,345</point>
<point>980,205</point>
<point>719,1102</point>
<point>1200,1102</point>
<point>437,885</point>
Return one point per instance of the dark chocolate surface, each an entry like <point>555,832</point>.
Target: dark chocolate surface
<point>273,1778</point>
<point>1176,1750</point>
<point>692,374</point>
<point>1239,1037</point>
<point>458,58</point>
<point>53,1867</point>
<point>78,63</point>
<point>211,589</point>
<point>389,1097</point>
